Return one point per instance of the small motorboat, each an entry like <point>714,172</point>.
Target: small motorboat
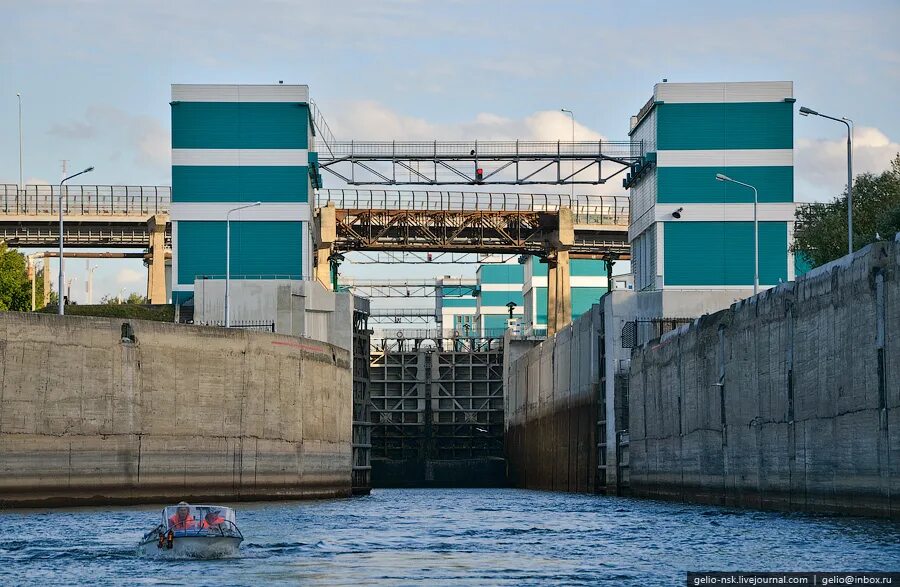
<point>193,531</point>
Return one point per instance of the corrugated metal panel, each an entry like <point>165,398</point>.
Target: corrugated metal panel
<point>767,212</point>
<point>645,132</point>
<point>201,249</point>
<point>726,158</point>
<point>643,198</point>
<point>230,125</point>
<point>583,298</point>
<point>239,93</point>
<point>239,184</point>
<point>218,210</point>
<point>695,93</point>
<point>721,253</point>
<point>235,157</point>
<point>699,184</point>
<point>497,273</point>
<point>763,125</point>
<point>501,298</point>
<point>540,301</point>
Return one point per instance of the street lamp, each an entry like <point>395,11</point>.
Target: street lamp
<point>21,179</point>
<point>722,177</point>
<point>62,262</point>
<point>228,256</point>
<point>804,111</point>
<point>572,114</point>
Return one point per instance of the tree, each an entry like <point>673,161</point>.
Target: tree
<point>133,298</point>
<point>15,286</point>
<point>821,232</point>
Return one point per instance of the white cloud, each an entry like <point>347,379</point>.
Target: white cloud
<point>821,164</point>
<point>143,136</point>
<point>128,276</point>
<point>369,120</point>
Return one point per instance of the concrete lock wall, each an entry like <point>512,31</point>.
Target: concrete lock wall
<point>552,392</point>
<point>789,400</point>
<point>182,412</point>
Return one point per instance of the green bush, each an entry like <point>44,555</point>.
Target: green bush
<point>157,313</point>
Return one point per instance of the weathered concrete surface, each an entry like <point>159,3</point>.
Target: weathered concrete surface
<point>787,400</point>
<point>552,408</point>
<point>183,412</point>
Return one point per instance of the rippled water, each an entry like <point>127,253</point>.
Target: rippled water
<point>461,537</point>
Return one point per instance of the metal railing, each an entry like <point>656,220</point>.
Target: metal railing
<point>111,200</point>
<point>241,324</point>
<point>391,312</point>
<point>586,209</point>
<point>480,149</point>
<point>641,330</point>
<point>86,200</point>
<point>323,131</point>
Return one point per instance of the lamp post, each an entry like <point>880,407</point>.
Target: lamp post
<point>572,115</point>
<point>61,283</point>
<point>722,177</point>
<point>228,257</point>
<point>21,177</point>
<point>804,111</point>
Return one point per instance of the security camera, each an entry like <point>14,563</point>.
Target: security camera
<point>677,213</point>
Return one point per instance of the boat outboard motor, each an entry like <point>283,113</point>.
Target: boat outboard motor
<point>170,540</point>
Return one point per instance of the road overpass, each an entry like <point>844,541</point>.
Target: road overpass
<point>553,227</point>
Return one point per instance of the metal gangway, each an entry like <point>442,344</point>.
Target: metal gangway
<point>479,162</point>
<point>586,209</point>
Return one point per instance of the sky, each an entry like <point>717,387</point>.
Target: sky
<point>95,77</point>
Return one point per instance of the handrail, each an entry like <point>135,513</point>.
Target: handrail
<point>586,209</point>
<point>96,200</point>
<point>112,200</point>
<point>481,149</point>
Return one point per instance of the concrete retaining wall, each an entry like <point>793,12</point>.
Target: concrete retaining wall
<point>183,412</point>
<point>787,400</point>
<point>552,393</point>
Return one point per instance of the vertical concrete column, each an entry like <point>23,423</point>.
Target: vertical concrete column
<point>46,269</point>
<point>551,296</point>
<point>156,259</point>
<point>559,293</point>
<point>559,296</point>
<point>325,235</point>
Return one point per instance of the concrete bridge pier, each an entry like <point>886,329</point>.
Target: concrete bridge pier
<point>559,303</point>
<point>156,259</point>
<point>46,281</point>
<point>325,234</point>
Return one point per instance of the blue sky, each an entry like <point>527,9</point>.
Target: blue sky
<point>95,74</point>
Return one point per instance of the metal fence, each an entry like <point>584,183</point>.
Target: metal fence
<point>117,200</point>
<point>241,324</point>
<point>86,200</point>
<point>485,149</point>
<point>642,330</point>
<point>586,209</point>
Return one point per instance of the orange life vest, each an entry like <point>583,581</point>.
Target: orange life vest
<point>176,523</point>
<point>216,521</point>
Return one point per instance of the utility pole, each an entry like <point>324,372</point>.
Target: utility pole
<point>21,176</point>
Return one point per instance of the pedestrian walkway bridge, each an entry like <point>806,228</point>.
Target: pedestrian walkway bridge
<point>100,216</point>
<point>479,162</point>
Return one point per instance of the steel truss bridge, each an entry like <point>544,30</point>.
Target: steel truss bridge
<point>391,221</point>
<point>96,216</point>
<point>399,288</point>
<point>478,162</point>
<point>467,222</point>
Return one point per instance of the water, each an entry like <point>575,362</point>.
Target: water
<point>448,537</point>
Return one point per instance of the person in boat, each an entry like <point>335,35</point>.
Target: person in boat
<point>212,520</point>
<point>182,518</point>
